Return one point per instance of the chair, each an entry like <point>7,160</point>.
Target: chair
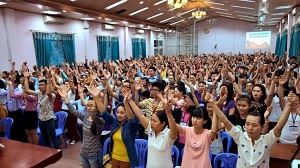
<point>105,147</point>
<point>141,147</point>
<point>175,155</point>
<point>225,160</point>
<point>228,143</point>
<point>61,117</point>
<point>7,125</point>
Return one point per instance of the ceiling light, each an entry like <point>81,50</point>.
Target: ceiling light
<point>40,6</point>
<point>141,25</point>
<point>141,2</point>
<point>177,22</point>
<point>100,17</point>
<point>115,4</point>
<point>284,7</point>
<point>51,12</point>
<point>167,19</point>
<point>159,2</point>
<point>154,16</point>
<point>72,0</point>
<point>218,8</point>
<point>172,9</point>
<point>87,18</point>
<point>227,16</point>
<point>188,11</point>
<point>275,14</point>
<point>223,13</point>
<point>242,7</point>
<point>136,12</point>
<point>199,14</point>
<point>246,1</point>
<point>215,3</point>
<point>125,22</point>
<point>177,3</point>
<point>64,11</point>
<point>3,3</point>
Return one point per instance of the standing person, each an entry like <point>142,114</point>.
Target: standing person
<point>161,138</point>
<point>91,155</point>
<point>45,103</point>
<point>3,110</point>
<point>254,148</point>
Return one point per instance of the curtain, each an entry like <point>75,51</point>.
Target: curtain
<point>68,46</point>
<point>296,38</point>
<point>42,45</point>
<point>143,44</point>
<point>103,43</point>
<point>283,43</point>
<point>138,48</point>
<point>277,47</point>
<point>115,53</point>
<point>291,41</point>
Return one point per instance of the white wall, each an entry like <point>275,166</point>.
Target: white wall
<point>229,35</point>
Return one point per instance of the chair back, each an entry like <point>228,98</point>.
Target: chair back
<point>228,142</point>
<point>225,160</point>
<point>141,147</point>
<point>175,155</point>
<point>7,124</point>
<point>105,147</point>
<point>61,116</point>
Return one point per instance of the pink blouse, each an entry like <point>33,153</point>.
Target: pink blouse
<point>31,103</point>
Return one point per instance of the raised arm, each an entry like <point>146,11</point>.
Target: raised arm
<point>269,99</point>
<point>48,87</point>
<point>26,85</point>
<point>281,92</point>
<point>171,120</point>
<point>109,90</point>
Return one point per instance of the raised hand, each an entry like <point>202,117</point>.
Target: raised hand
<point>62,93</point>
<point>209,98</point>
<point>282,80</point>
<point>94,76</point>
<point>160,96</point>
<point>106,74</point>
<point>93,91</point>
<point>291,98</point>
<point>26,74</point>
<point>268,112</point>
<point>138,86</point>
<point>80,89</point>
<point>127,95</point>
<point>9,82</point>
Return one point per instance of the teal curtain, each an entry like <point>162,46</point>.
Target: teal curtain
<point>296,38</point>
<point>42,45</point>
<point>283,43</point>
<point>143,44</point>
<point>277,47</point>
<point>291,41</point>
<point>115,51</point>
<point>103,47</point>
<point>68,46</point>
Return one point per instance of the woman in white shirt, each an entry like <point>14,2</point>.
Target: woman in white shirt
<point>254,148</point>
<point>160,137</point>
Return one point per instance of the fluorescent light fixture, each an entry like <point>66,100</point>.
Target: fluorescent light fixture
<point>215,3</point>
<point>177,22</point>
<point>125,22</point>
<point>188,11</point>
<point>64,11</point>
<point>167,19</point>
<point>218,8</point>
<point>159,2</point>
<point>252,17</point>
<point>141,2</point>
<point>227,16</point>
<point>172,9</point>
<point>136,12</point>
<point>51,12</point>
<point>275,19</point>
<point>115,4</point>
<point>154,16</point>
<point>284,7</point>
<point>246,1</point>
<point>72,0</point>
<point>244,12</point>
<point>223,13</point>
<point>39,6</point>
<point>87,18</point>
<point>192,17</point>
<point>276,14</point>
<point>242,7</point>
<point>100,17</point>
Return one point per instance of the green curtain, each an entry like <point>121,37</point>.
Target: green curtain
<point>68,46</point>
<point>291,41</point>
<point>42,45</point>
<point>115,51</point>
<point>296,38</point>
<point>283,43</point>
<point>103,43</point>
<point>277,47</point>
<point>143,44</point>
<point>136,47</point>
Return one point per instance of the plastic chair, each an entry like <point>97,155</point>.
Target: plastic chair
<point>225,160</point>
<point>105,147</point>
<point>141,147</point>
<point>226,136</point>
<point>61,117</point>
<point>7,125</point>
<point>175,155</point>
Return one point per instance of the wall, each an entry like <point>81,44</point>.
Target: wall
<point>229,35</point>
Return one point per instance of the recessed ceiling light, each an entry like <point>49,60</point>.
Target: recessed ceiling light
<point>100,17</point>
<point>125,22</point>
<point>72,0</point>
<point>64,11</point>
<point>141,2</point>
<point>115,4</point>
<point>154,16</point>
<point>167,19</point>
<point>218,8</point>
<point>3,3</point>
<point>284,7</point>
<point>159,2</point>
<point>275,14</point>
<point>215,3</point>
<point>51,12</point>
<point>40,6</point>
<point>242,7</point>
<point>136,12</point>
<point>87,18</point>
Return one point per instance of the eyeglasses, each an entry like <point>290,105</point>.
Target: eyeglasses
<point>155,90</point>
<point>126,86</point>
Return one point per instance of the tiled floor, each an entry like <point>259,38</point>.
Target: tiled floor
<point>70,157</point>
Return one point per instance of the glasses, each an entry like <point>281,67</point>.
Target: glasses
<point>155,90</point>
<point>126,86</point>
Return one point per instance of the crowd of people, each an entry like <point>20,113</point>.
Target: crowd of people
<point>184,100</point>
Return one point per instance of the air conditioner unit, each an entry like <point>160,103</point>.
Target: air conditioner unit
<point>296,11</point>
<point>54,20</point>
<point>108,27</point>
<point>139,31</point>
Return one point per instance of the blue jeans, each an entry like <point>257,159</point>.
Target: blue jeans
<point>48,131</point>
<point>94,161</point>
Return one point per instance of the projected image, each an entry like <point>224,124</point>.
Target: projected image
<point>258,40</point>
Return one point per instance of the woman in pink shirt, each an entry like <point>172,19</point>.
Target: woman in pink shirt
<point>31,116</point>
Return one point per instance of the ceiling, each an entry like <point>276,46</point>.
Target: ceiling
<point>256,11</point>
